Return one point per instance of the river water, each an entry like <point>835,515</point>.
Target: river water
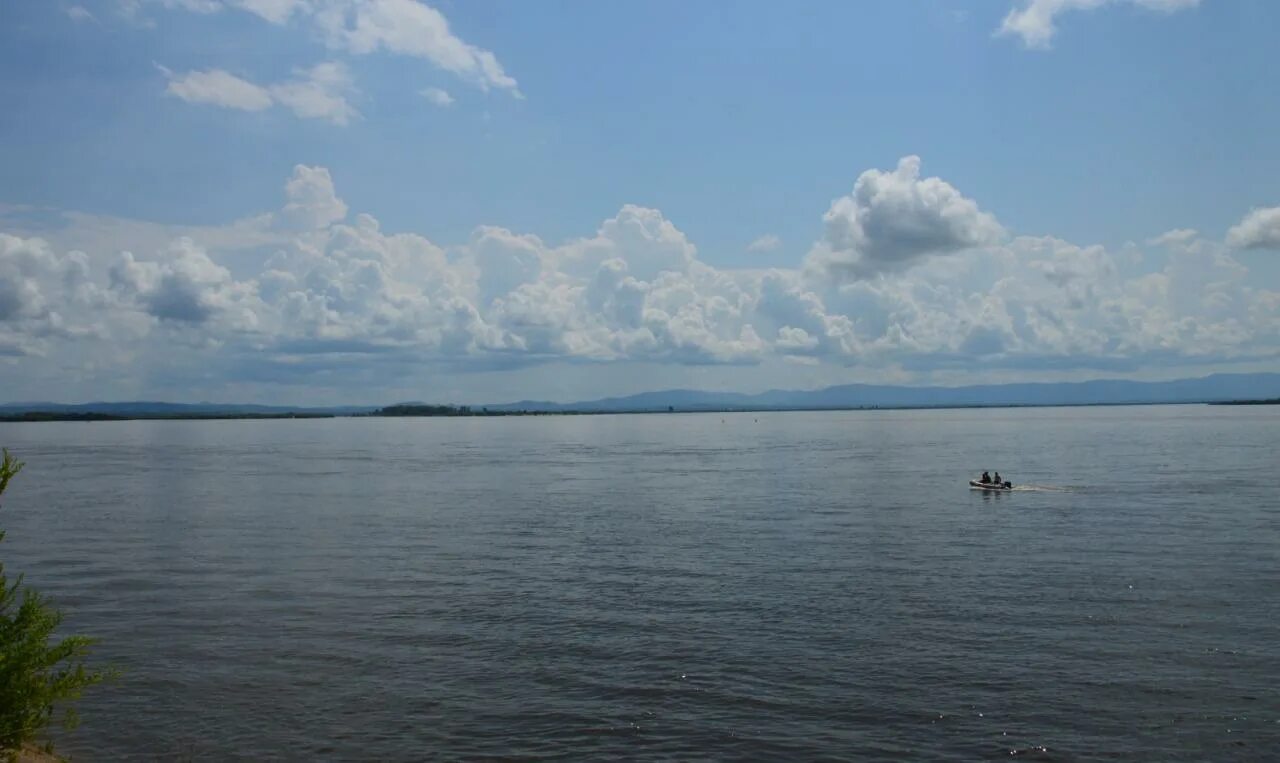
<point>666,587</point>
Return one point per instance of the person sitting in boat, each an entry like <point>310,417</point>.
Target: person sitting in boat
<point>997,480</point>
<point>986,479</point>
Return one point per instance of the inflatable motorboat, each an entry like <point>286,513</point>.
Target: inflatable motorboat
<point>1003,486</point>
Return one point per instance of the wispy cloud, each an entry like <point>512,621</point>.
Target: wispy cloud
<point>1175,237</point>
<point>437,96</point>
<point>217,87</point>
<point>275,11</point>
<point>360,27</point>
<point>319,92</point>
<point>766,243</point>
<point>411,28</point>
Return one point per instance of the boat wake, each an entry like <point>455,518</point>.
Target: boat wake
<point>1042,489</point>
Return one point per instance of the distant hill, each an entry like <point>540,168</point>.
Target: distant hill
<point>1215,388</point>
<point>1218,388</point>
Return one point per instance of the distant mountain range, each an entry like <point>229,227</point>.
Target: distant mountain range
<point>1215,388</point>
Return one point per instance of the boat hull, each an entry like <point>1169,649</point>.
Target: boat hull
<point>974,484</point>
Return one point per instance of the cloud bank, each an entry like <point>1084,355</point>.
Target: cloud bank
<point>908,274</point>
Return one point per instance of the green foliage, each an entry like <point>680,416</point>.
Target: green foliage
<point>9,468</point>
<point>37,674</point>
<point>411,409</point>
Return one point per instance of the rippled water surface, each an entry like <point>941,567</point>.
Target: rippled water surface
<point>667,587</point>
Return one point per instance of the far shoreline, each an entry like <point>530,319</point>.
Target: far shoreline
<point>31,417</point>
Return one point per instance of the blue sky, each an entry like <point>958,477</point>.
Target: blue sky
<point>582,198</point>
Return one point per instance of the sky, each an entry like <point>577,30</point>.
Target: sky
<point>370,201</point>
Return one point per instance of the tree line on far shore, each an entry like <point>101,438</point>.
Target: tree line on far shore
<point>416,409</point>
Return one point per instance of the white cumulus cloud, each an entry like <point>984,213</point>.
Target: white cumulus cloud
<point>185,286</point>
<point>1033,21</point>
<point>333,293</point>
<point>1260,229</point>
<point>312,202</point>
<point>893,220</point>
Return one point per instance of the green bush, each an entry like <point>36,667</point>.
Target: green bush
<point>36,673</point>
